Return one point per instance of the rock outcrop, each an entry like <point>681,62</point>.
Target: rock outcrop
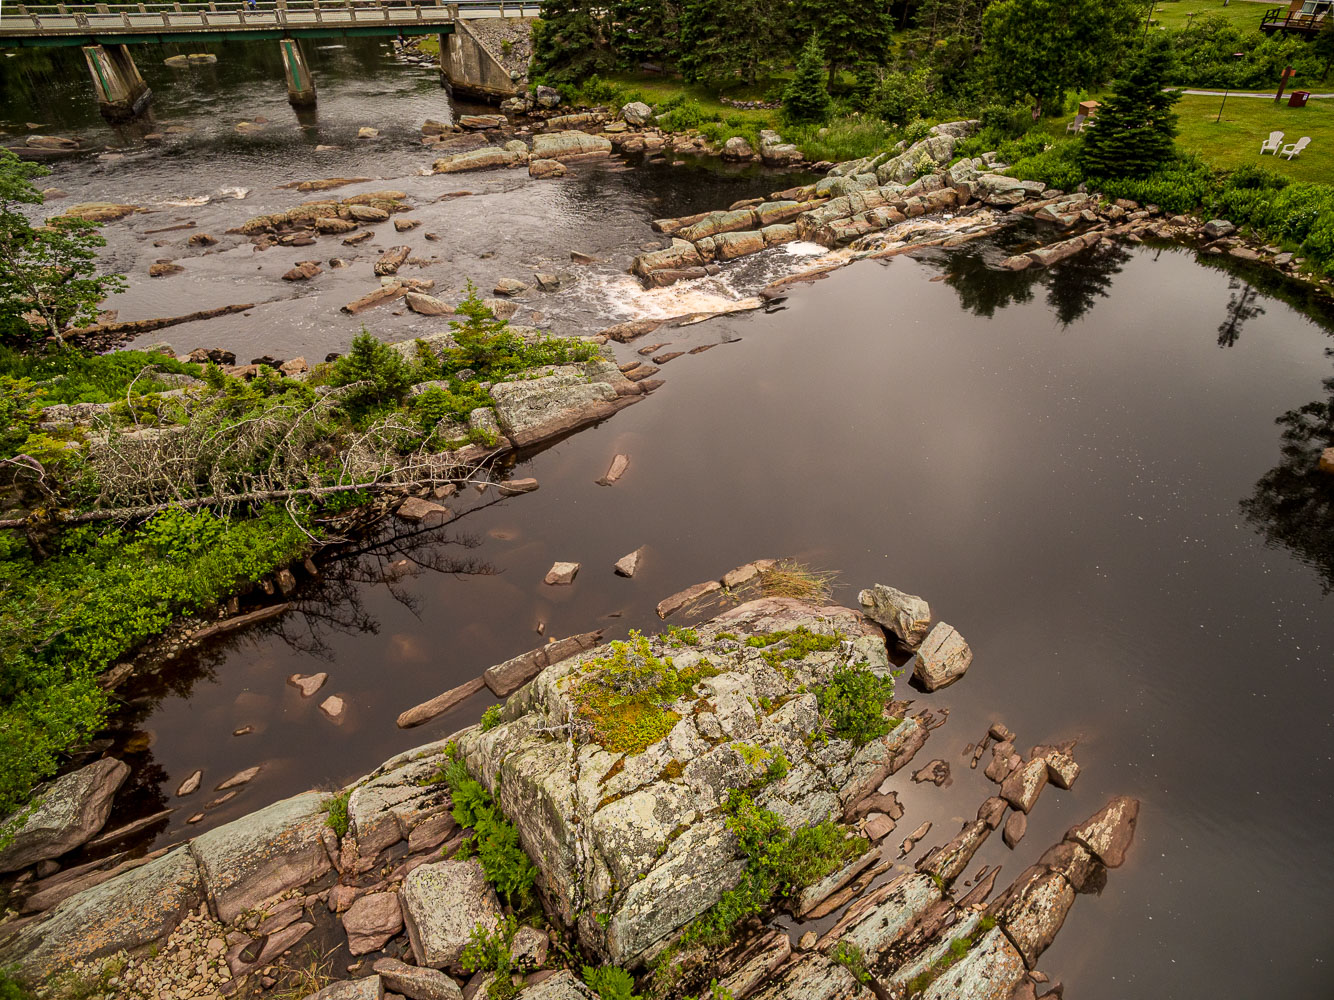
<point>66,813</point>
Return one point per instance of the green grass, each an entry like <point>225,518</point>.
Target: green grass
<point>1235,141</point>
<point>1244,14</point>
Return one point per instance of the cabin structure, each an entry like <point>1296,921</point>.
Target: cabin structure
<point>1303,17</point>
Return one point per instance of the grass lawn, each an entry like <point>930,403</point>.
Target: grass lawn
<point>1244,14</point>
<point>1235,141</point>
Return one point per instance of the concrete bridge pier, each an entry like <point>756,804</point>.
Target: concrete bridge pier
<point>121,91</point>
<point>300,84</point>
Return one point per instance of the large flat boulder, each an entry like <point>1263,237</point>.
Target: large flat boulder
<point>137,908</point>
<point>637,835</point>
<point>566,397</point>
<point>262,854</point>
<point>65,813</point>
<point>568,145</point>
<point>442,903</point>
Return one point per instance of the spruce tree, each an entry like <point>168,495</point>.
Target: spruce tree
<point>851,31</point>
<point>646,31</point>
<point>1131,135</point>
<point>569,42</point>
<point>806,99</point>
<point>735,40</point>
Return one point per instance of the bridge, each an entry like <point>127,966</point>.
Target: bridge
<point>105,32</point>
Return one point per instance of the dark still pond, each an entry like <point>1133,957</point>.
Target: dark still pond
<point>1100,499</point>
<point>1104,476</point>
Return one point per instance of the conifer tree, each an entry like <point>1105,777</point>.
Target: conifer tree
<point>646,31</point>
<point>851,31</point>
<point>806,99</point>
<point>732,40</point>
<point>569,42</point>
<point>1131,135</point>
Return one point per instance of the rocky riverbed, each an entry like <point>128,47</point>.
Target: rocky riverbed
<point>633,844</point>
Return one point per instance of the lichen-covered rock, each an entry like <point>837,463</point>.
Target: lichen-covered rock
<point>565,397</point>
<point>1033,909</point>
<point>1022,788</point>
<point>637,113</point>
<point>907,616</point>
<point>442,903</point>
<point>562,986</point>
<point>989,971</point>
<point>877,922</point>
<point>1108,833</point>
<point>942,658</point>
<point>370,988</point>
<point>384,807</point>
<point>486,158</point>
<point>260,855</point>
<point>65,813</point>
<point>566,145</point>
<point>813,977</point>
<point>415,982</point>
<point>127,912</point>
<point>636,835</point>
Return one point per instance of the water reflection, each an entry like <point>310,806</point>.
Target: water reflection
<point>1073,286</point>
<point>1242,305</point>
<point>1076,284</point>
<point>1293,503</point>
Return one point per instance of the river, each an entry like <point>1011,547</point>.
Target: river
<point>1081,469</point>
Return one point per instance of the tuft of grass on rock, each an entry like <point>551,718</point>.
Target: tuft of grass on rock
<point>789,578</point>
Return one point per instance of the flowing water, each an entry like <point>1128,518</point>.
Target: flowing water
<point>1081,469</point>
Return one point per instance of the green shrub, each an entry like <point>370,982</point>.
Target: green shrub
<point>65,375</point>
<point>488,950</point>
<point>610,983</point>
<point>494,840</point>
<point>336,810</point>
<point>490,718</point>
<point>683,114</point>
<point>853,704</point>
<point>780,863</point>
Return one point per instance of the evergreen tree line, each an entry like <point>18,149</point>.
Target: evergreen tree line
<point>710,41</point>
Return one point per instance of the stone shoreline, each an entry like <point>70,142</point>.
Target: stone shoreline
<point>630,848</point>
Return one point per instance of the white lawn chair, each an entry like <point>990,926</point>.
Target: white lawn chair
<point>1272,144</point>
<point>1078,124</point>
<point>1295,148</point>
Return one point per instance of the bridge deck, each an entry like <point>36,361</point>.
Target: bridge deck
<point>89,24</point>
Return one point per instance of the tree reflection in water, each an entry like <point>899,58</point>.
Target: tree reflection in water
<point>389,554</point>
<point>1293,503</point>
<point>1241,307</point>
<point>1073,286</point>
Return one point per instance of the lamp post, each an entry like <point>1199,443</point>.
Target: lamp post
<point>1227,90</point>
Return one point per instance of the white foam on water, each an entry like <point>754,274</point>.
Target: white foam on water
<point>802,248</point>
<point>201,199</point>
<point>234,192</point>
<point>624,298</point>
